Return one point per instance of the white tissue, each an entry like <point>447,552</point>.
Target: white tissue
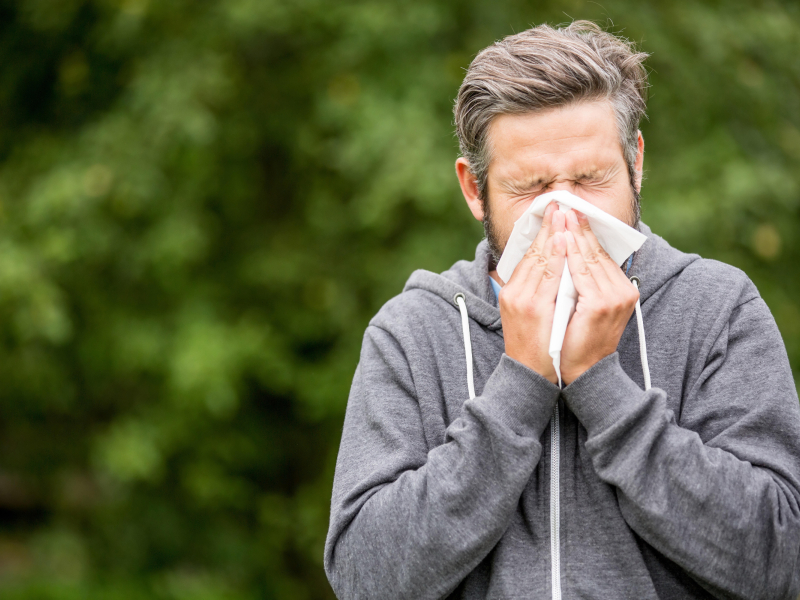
<point>616,238</point>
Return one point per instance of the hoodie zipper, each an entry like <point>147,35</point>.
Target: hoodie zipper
<point>555,462</point>
<point>555,538</point>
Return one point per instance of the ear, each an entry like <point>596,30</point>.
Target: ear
<point>469,187</point>
<point>639,164</point>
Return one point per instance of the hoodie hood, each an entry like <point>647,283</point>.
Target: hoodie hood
<point>655,263</point>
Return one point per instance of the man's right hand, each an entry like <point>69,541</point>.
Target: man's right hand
<point>528,299</point>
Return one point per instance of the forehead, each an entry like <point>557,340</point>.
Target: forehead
<point>566,141</point>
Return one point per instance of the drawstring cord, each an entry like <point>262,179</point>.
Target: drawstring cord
<point>460,301</point>
<point>642,343</point>
<point>462,306</point>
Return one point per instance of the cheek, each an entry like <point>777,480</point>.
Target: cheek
<point>517,206</point>
<point>615,201</point>
<point>507,209</point>
<point>504,214</point>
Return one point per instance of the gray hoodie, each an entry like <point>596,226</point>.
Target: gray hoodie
<point>600,490</point>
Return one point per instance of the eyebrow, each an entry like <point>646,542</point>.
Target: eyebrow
<point>593,174</point>
<point>523,184</point>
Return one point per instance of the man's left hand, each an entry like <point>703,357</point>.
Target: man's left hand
<point>606,300</point>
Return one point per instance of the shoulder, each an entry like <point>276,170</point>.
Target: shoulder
<point>413,332</point>
<point>412,310</point>
<point>697,300</point>
<point>716,283</point>
<point>690,280</point>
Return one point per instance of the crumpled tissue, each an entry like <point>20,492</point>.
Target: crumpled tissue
<point>616,238</point>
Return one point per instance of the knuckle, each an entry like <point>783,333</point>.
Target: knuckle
<point>533,251</point>
<point>506,297</point>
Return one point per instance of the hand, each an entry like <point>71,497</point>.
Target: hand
<point>528,300</point>
<point>606,300</point>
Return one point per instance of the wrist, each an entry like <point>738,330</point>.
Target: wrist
<point>603,395</point>
<point>536,364</point>
<point>519,397</point>
<point>572,371</point>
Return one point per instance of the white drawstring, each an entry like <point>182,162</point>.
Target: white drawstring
<point>459,299</point>
<point>462,306</point>
<point>642,343</point>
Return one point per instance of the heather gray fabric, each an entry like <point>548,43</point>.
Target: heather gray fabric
<point>690,490</point>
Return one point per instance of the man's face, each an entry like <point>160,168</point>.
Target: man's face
<point>574,148</point>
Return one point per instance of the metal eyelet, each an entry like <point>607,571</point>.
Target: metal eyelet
<point>636,281</point>
<point>457,296</point>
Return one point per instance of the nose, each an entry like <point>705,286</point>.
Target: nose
<point>566,185</point>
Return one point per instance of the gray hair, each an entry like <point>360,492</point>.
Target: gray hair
<point>542,68</point>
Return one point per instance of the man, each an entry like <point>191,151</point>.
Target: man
<point>600,489</point>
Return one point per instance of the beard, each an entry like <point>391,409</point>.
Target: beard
<point>493,236</point>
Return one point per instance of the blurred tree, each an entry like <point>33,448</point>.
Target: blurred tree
<point>203,203</point>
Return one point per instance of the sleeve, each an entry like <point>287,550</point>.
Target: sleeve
<point>412,522</point>
<point>720,495</point>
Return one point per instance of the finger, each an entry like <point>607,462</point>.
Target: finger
<point>615,274</point>
<point>585,283</point>
<point>546,229</point>
<point>522,271</point>
<point>550,279</point>
<point>612,284</point>
<point>592,260</point>
<point>611,268</point>
<point>539,269</point>
<point>559,222</point>
<point>536,250</point>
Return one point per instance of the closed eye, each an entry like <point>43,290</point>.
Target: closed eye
<point>591,180</point>
<point>527,190</point>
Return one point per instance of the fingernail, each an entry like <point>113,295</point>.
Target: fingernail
<point>558,241</point>
<point>572,217</point>
<point>570,237</point>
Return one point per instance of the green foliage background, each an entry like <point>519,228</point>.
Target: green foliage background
<point>203,203</point>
